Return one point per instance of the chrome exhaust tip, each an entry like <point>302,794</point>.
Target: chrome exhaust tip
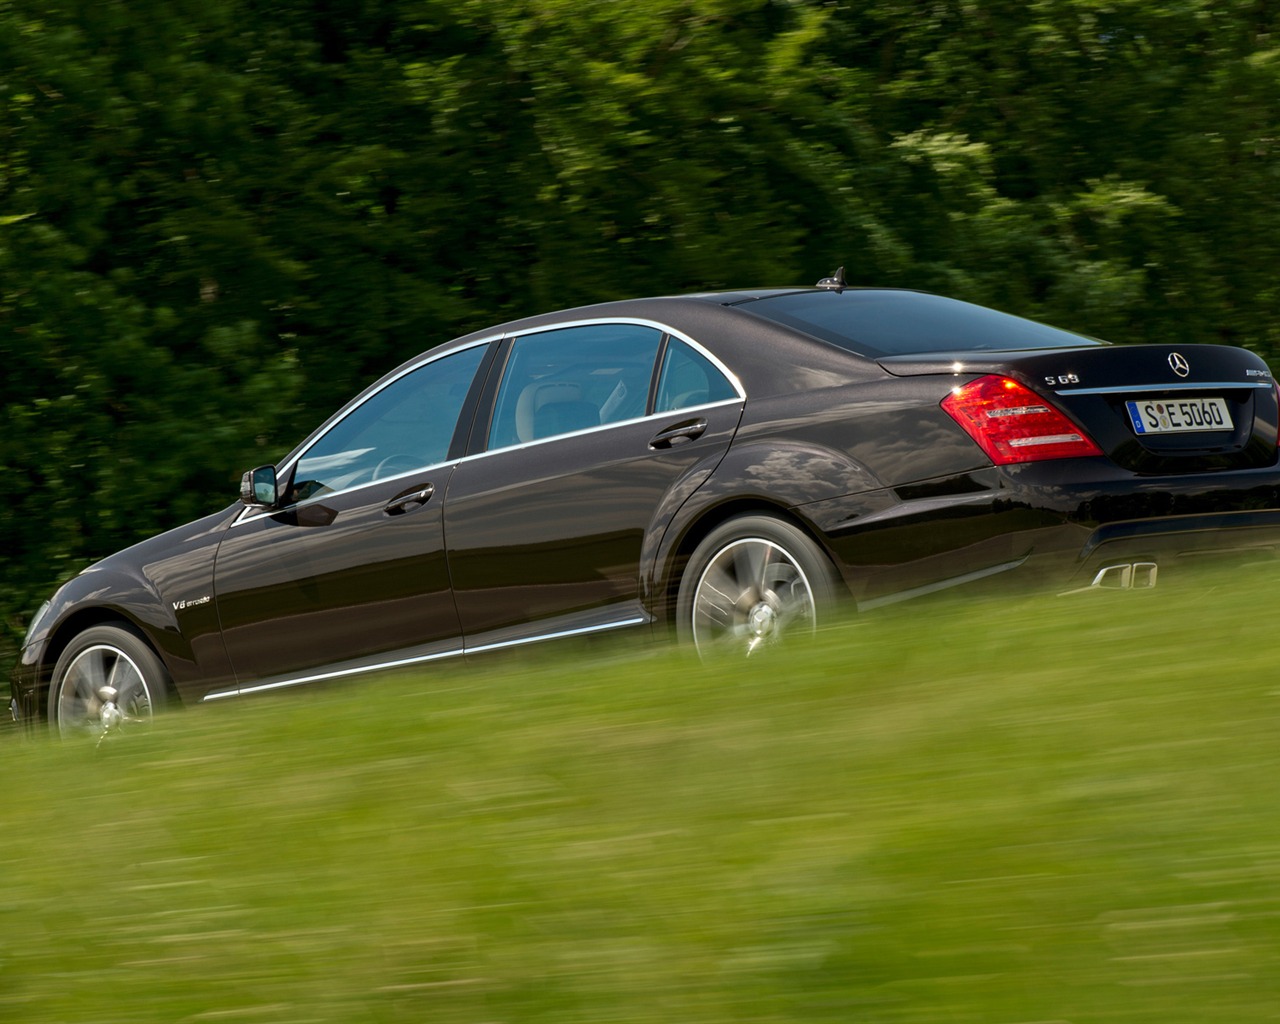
<point>1127,576</point>
<point>1123,576</point>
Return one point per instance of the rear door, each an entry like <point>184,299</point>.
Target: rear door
<point>596,432</point>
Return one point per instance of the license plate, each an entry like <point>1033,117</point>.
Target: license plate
<point>1179,416</point>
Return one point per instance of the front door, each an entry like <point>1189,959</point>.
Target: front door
<point>351,572</point>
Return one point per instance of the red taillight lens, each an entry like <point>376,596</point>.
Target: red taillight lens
<point>1275,390</point>
<point>1011,423</point>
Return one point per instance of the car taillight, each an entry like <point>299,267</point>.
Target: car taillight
<point>1011,423</point>
<point>1275,391</point>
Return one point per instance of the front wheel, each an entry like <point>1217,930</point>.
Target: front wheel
<point>107,680</point>
<point>752,582</point>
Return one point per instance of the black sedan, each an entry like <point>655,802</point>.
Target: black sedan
<point>732,464</point>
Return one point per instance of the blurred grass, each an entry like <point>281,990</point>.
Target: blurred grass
<point>1007,811</point>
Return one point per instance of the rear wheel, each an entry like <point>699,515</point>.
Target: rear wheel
<point>754,581</point>
<point>107,680</point>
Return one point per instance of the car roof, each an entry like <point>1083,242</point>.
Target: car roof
<point>653,306</point>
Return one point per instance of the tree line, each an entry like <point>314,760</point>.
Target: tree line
<point>218,219</point>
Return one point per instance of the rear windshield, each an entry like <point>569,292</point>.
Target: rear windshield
<point>875,323</point>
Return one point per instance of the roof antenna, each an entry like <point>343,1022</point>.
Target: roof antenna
<point>835,281</point>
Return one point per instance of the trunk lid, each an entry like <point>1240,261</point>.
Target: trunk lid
<point>1156,409</point>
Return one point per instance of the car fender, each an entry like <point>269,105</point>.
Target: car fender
<point>103,592</point>
<point>675,498</point>
<point>754,476</point>
<point>162,587</point>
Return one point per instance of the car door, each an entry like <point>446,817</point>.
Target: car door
<point>596,432</point>
<point>350,571</point>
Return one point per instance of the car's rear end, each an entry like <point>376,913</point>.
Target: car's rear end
<point>1165,455</point>
<point>1091,464</point>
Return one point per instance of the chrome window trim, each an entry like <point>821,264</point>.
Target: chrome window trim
<point>1138,389</point>
<point>639,322</point>
<point>728,374</point>
<point>523,445</point>
<point>281,684</point>
<point>249,515</point>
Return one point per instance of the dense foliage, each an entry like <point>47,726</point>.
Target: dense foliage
<point>218,218</point>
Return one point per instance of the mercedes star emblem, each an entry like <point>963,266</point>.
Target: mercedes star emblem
<point>1179,363</point>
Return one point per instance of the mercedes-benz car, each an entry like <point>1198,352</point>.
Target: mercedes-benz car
<point>727,466</point>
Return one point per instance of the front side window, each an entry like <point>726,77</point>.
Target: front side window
<point>575,378</point>
<point>407,425</point>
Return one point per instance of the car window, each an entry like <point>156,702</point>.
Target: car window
<point>405,426</point>
<point>884,322</point>
<point>574,378</point>
<point>689,378</point>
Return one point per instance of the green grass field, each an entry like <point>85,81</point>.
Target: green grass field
<point>1023,810</point>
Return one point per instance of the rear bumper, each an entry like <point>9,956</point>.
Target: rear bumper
<point>1171,522</point>
<point>1176,543</point>
<point>1047,526</point>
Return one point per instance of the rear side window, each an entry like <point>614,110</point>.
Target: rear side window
<point>876,322</point>
<point>689,379</point>
<point>572,379</point>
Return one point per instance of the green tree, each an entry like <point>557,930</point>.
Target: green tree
<point>219,219</point>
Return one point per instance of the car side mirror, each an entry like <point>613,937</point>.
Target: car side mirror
<point>258,488</point>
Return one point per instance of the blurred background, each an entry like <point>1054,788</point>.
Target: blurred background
<point>219,219</point>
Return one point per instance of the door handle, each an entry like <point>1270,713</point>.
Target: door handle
<point>403,503</point>
<point>689,430</point>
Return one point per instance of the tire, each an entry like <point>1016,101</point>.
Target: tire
<point>105,656</point>
<point>753,581</point>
